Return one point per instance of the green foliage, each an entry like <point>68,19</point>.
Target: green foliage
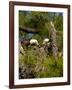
<point>46,67</point>
<point>60,40</point>
<point>21,19</point>
<point>41,21</point>
<point>59,23</point>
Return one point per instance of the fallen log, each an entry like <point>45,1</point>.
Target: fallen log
<point>29,30</point>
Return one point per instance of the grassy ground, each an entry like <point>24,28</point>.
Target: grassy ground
<point>33,65</point>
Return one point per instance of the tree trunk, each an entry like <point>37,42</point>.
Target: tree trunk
<point>53,41</point>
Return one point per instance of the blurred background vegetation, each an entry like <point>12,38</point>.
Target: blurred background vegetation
<point>41,21</point>
<point>31,65</point>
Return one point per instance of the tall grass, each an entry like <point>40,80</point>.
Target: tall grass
<point>40,67</point>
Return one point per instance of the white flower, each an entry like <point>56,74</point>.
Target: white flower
<point>46,40</point>
<point>34,41</point>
